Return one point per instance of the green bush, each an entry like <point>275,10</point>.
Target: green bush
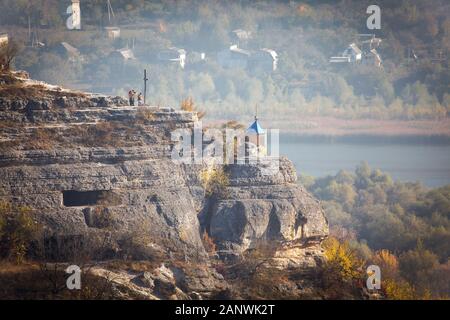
<point>407,219</point>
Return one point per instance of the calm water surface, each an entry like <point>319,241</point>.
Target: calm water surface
<point>429,164</point>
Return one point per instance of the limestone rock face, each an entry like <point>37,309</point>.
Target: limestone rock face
<point>266,207</point>
<point>90,166</point>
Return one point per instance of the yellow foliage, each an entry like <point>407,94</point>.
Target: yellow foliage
<point>398,290</point>
<point>214,180</point>
<point>189,105</point>
<point>17,230</point>
<point>342,272</point>
<point>208,243</point>
<point>341,259</point>
<point>387,262</point>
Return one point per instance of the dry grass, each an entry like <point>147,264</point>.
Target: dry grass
<point>145,115</point>
<point>209,244</point>
<point>214,181</point>
<point>42,139</point>
<point>7,124</point>
<point>7,78</point>
<point>13,88</point>
<point>33,281</point>
<point>91,135</point>
<point>8,146</point>
<point>38,139</point>
<point>132,266</point>
<point>33,92</point>
<point>102,134</point>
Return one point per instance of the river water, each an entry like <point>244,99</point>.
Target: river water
<point>427,163</point>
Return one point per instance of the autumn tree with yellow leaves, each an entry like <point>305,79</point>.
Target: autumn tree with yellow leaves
<point>342,271</point>
<point>189,105</point>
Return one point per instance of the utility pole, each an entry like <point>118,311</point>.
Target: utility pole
<point>145,85</point>
<point>110,11</point>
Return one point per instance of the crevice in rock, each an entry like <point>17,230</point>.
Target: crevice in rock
<point>205,215</point>
<point>300,223</point>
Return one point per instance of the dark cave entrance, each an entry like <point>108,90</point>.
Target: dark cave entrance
<point>72,198</point>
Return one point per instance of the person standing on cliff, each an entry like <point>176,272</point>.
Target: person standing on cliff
<point>131,97</point>
<point>140,99</point>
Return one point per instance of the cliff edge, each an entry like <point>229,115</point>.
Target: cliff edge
<point>98,175</point>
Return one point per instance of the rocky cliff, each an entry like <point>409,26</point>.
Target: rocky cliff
<point>91,167</point>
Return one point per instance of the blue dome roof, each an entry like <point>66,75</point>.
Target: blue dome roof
<point>255,128</point>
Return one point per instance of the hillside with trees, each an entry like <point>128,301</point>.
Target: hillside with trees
<point>402,227</point>
<point>412,82</point>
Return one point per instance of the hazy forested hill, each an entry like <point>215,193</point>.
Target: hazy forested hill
<point>413,81</point>
<point>402,227</point>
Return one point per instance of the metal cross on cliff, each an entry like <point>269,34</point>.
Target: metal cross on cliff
<point>145,85</point>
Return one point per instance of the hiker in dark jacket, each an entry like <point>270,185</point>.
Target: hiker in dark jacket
<point>131,97</point>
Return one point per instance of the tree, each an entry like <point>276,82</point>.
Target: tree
<point>387,262</point>
<point>8,52</point>
<point>17,231</point>
<point>386,90</point>
<point>417,264</point>
<point>431,25</point>
<point>398,290</point>
<point>341,270</point>
<point>363,172</point>
<point>189,105</point>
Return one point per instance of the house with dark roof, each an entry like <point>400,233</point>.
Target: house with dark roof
<point>113,33</point>
<point>351,54</point>
<point>122,55</point>
<point>372,58</point>
<point>69,52</point>
<point>265,59</point>
<point>234,57</point>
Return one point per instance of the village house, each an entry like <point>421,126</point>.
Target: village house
<point>194,57</point>
<point>69,52</point>
<point>113,32</point>
<point>121,55</point>
<point>351,54</point>
<point>234,57</point>
<point>240,36</point>
<point>372,58</point>
<point>173,55</point>
<point>266,59</point>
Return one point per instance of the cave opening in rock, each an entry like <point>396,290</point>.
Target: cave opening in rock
<point>72,198</point>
